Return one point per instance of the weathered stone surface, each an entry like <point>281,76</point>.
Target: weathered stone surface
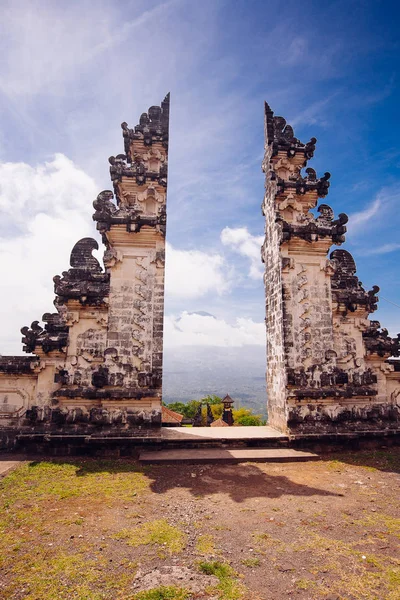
<point>14,365</point>
<point>327,368</point>
<point>85,281</point>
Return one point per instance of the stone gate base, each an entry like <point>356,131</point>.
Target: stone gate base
<point>115,445</point>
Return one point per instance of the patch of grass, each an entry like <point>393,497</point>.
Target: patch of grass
<point>305,584</point>
<point>266,540</point>
<point>335,465</point>
<point>162,593</point>
<point>205,545</point>
<point>393,579</point>
<point>251,562</point>
<point>158,532</point>
<point>38,503</point>
<point>367,576</point>
<point>380,521</point>
<point>229,588</point>
<point>56,576</point>
<point>35,482</point>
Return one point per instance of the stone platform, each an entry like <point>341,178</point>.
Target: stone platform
<point>225,456</point>
<point>264,432</point>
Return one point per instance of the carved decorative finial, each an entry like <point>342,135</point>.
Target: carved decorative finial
<point>86,281</point>
<point>346,265</point>
<point>81,255</point>
<point>281,135</point>
<point>347,288</point>
<point>103,203</point>
<point>152,127</point>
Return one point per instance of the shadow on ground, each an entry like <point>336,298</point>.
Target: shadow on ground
<point>239,482</point>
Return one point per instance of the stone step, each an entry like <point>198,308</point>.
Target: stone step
<point>227,456</point>
<point>221,444</point>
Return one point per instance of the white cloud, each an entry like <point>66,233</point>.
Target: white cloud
<point>243,242</point>
<point>193,274</point>
<point>57,187</point>
<point>384,249</point>
<point>192,329</point>
<point>47,209</point>
<point>361,218</point>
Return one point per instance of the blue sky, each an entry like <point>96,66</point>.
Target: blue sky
<point>70,73</point>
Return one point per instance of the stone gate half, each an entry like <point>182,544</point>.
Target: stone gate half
<point>329,368</point>
<point>97,361</point>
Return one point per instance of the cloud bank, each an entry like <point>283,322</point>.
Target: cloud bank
<point>47,208</point>
<point>240,240</point>
<point>192,329</point>
<point>193,274</point>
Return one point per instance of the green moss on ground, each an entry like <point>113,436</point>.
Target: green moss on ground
<point>163,593</point>
<point>229,587</point>
<point>152,533</point>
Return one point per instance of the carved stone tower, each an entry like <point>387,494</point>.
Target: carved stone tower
<point>324,372</point>
<point>134,234</point>
<point>97,363</point>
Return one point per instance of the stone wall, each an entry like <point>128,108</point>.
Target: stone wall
<point>270,254</point>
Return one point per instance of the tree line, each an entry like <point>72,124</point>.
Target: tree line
<point>241,415</point>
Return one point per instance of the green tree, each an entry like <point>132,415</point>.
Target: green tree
<point>212,399</point>
<point>192,408</point>
<point>245,416</point>
<point>217,410</point>
<point>241,416</point>
<point>188,410</point>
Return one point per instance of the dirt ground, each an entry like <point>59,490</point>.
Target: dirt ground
<point>95,529</point>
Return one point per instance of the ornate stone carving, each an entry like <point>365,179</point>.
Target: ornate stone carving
<point>104,209</point>
<point>312,229</point>
<point>30,336</point>
<point>150,380</point>
<point>282,137</point>
<point>104,344</point>
<point>85,281</point>
<point>377,341</point>
<point>137,169</point>
<point>54,335</point>
<point>303,185</point>
<point>324,380</point>
<point>129,213</point>
<point>18,365</point>
<point>347,290</point>
<point>152,127</point>
<point>100,377</point>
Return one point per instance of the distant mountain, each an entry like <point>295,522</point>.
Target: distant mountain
<point>196,371</point>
